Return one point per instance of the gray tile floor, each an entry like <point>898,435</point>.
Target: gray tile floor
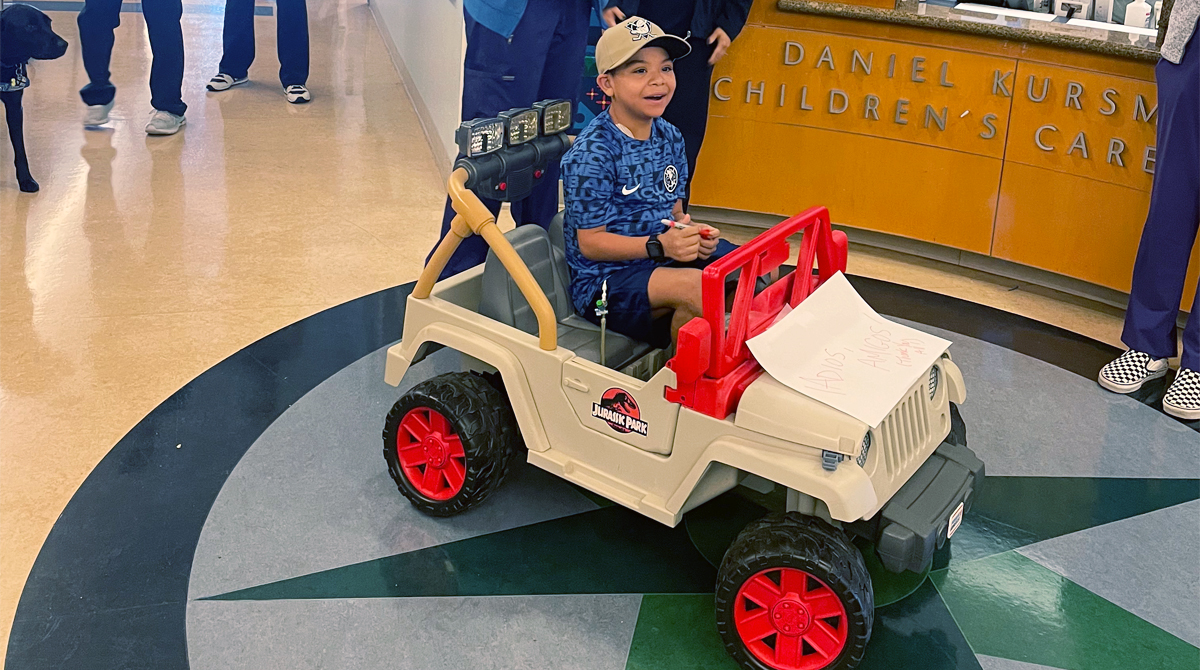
<point>1146,564</point>
<point>1028,417</point>
<point>313,494</point>
<point>578,632</point>
<point>993,663</point>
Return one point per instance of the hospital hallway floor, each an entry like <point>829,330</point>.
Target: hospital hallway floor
<point>192,331</point>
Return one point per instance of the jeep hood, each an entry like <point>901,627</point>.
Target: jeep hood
<point>771,408</point>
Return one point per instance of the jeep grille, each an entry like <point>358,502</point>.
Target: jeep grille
<point>905,432</point>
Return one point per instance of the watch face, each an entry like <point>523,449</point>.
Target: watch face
<point>654,249</point>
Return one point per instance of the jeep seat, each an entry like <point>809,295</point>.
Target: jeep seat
<point>502,300</point>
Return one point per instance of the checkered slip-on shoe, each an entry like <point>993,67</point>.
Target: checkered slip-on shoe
<point>1183,397</point>
<point>1131,370</point>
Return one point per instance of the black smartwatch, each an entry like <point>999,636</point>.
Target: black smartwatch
<point>654,249</point>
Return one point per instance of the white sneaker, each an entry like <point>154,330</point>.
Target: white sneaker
<point>1130,370</point>
<point>164,123</point>
<point>97,115</point>
<point>297,94</point>
<point>224,82</point>
<point>1183,397</point>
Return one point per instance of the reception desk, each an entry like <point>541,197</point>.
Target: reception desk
<point>1025,144</point>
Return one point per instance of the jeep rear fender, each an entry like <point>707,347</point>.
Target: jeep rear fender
<point>847,491</point>
<point>516,384</point>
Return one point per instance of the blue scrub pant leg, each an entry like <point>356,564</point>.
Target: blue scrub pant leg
<point>97,21</point>
<point>291,38</point>
<point>1169,236</point>
<point>501,73</point>
<point>688,110</point>
<point>560,80</point>
<point>166,43</point>
<point>237,38</point>
<point>1191,337</point>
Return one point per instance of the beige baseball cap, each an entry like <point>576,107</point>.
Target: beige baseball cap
<point>619,43</point>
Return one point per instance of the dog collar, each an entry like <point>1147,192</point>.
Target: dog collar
<point>17,81</point>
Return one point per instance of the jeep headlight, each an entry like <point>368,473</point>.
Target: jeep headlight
<point>480,136</point>
<point>866,447</point>
<point>521,124</point>
<point>935,376</point>
<point>556,115</point>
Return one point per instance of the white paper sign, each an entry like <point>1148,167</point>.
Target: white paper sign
<point>834,348</point>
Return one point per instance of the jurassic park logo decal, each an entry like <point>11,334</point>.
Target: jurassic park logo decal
<point>620,411</point>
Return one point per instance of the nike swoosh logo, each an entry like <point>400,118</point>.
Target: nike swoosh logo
<point>625,190</point>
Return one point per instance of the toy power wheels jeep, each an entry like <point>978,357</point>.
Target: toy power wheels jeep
<point>664,436</point>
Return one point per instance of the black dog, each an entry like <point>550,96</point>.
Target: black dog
<point>25,33</point>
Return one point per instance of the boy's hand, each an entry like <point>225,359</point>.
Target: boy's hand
<point>708,241</point>
<point>681,244</point>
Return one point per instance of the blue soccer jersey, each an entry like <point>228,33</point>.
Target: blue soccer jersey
<point>627,185</point>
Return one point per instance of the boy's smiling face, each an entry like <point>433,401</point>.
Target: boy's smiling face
<point>642,87</point>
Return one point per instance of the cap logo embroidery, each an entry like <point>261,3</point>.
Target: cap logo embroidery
<point>639,29</point>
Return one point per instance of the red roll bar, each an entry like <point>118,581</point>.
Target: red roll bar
<point>712,364</point>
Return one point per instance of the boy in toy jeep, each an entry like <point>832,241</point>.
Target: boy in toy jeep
<point>623,182</point>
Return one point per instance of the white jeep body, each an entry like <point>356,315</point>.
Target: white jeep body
<point>661,459</point>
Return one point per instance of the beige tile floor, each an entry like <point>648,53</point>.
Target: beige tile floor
<point>144,261</point>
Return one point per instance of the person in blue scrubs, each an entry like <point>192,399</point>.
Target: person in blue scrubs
<point>97,21</point>
<point>291,39</point>
<point>519,52</point>
<point>1171,227</point>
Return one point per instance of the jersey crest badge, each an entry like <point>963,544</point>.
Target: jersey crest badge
<point>671,178</point>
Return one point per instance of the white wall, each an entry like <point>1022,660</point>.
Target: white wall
<point>427,43</point>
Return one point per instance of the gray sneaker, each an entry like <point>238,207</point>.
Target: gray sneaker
<point>96,115</point>
<point>164,123</point>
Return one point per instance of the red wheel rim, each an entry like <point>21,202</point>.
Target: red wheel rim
<point>431,454</point>
<point>790,620</point>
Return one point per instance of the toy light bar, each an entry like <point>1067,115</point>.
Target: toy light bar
<point>556,115</point>
<point>522,125</point>
<point>478,137</point>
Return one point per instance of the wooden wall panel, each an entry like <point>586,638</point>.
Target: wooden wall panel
<point>779,140</point>
<point>1069,224</point>
<point>903,92</point>
<point>894,187</point>
<point>1193,281</point>
<point>764,14</point>
<point>1083,116</point>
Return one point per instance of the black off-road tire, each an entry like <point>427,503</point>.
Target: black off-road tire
<point>793,540</point>
<point>519,450</point>
<point>483,420</point>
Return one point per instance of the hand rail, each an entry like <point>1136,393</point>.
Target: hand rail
<point>475,218</point>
